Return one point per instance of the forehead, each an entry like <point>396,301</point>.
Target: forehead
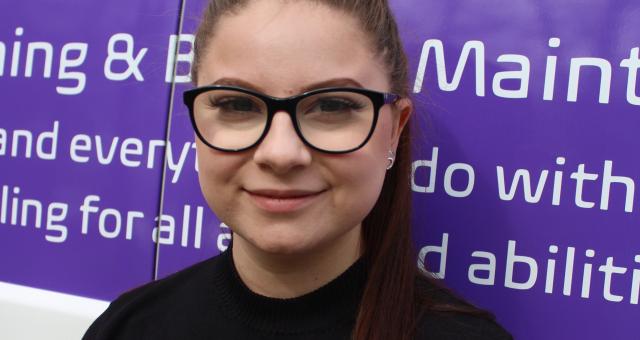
<point>283,46</point>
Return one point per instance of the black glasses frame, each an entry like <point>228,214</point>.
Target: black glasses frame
<point>289,105</point>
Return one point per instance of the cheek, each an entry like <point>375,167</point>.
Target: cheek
<point>359,187</point>
<point>361,174</point>
<point>215,174</point>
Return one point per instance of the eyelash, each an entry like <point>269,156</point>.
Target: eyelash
<point>350,104</point>
<point>222,102</point>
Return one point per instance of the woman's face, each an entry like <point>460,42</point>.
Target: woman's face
<point>283,49</point>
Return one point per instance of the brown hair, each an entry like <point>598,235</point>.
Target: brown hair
<point>396,291</point>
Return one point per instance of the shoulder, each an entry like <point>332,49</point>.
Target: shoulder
<point>184,283</point>
<point>177,296</point>
<point>448,317</point>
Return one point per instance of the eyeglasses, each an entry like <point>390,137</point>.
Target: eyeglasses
<point>332,120</point>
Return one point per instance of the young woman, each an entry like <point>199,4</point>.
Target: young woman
<point>301,115</point>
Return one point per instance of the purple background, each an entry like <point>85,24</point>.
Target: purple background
<point>88,265</point>
<point>482,131</point>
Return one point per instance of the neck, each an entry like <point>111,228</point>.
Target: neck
<point>291,275</point>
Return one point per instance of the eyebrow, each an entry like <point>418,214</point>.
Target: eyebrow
<point>238,83</point>
<point>335,82</point>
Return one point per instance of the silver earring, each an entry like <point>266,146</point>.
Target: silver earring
<point>392,158</point>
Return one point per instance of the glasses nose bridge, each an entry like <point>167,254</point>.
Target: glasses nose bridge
<point>288,105</point>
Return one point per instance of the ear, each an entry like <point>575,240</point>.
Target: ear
<point>402,110</point>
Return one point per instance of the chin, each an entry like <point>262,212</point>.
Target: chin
<point>282,241</point>
<point>280,246</point>
<point>283,249</point>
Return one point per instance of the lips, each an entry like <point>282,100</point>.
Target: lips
<point>282,201</point>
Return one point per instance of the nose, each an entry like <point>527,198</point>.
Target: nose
<point>282,150</point>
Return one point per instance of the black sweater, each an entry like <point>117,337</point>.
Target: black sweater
<point>209,301</point>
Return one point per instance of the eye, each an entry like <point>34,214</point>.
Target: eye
<point>234,104</point>
<point>338,104</point>
<point>334,106</point>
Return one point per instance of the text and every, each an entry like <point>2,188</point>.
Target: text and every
<point>130,152</point>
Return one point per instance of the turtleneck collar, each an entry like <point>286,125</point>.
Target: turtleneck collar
<point>331,306</point>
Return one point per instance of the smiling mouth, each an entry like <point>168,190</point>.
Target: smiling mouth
<point>276,201</point>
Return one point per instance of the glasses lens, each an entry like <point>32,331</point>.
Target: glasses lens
<point>335,121</point>
<point>229,119</point>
